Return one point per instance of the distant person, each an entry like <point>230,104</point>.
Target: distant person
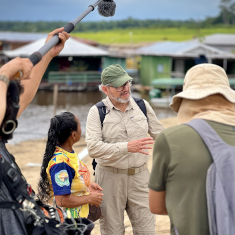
<point>100,68</point>
<point>12,216</point>
<point>182,156</point>
<point>119,145</point>
<point>63,175</point>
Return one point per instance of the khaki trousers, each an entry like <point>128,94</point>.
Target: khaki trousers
<point>125,192</point>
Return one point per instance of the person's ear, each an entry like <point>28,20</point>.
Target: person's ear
<point>74,135</point>
<point>105,90</point>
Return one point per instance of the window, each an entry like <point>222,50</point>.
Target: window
<point>160,68</point>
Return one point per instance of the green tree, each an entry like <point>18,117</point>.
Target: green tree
<point>225,10</point>
<point>232,13</point>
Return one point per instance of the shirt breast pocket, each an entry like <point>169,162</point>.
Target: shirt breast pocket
<point>113,129</point>
<point>139,126</point>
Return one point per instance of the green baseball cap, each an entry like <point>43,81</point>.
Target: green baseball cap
<point>114,75</point>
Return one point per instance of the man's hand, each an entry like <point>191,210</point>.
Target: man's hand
<point>12,67</point>
<point>95,198</point>
<point>94,187</point>
<point>137,146</point>
<point>59,47</point>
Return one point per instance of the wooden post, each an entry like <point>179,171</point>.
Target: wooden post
<point>225,64</point>
<point>55,97</point>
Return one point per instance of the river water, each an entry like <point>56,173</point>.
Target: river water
<point>35,120</point>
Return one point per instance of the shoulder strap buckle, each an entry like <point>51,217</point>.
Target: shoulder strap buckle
<point>12,174</point>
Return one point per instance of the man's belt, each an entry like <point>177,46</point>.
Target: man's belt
<point>129,171</point>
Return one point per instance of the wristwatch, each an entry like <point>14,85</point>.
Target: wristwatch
<point>5,79</point>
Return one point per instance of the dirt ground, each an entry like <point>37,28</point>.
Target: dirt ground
<point>32,152</point>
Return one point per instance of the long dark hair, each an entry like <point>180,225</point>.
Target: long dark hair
<point>60,129</point>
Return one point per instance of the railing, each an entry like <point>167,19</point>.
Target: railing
<point>75,78</point>
<point>88,78</point>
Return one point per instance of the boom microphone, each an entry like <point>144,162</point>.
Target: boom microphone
<point>107,8</point>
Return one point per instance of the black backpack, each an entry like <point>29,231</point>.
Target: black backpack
<point>102,112</point>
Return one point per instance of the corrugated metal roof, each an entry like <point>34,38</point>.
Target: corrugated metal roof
<point>186,48</point>
<point>167,47</point>
<point>220,39</point>
<point>72,48</point>
<point>20,36</point>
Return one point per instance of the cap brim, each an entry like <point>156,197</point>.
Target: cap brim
<point>121,80</point>
<point>197,94</point>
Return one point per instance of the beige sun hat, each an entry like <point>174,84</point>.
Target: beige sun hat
<point>201,81</point>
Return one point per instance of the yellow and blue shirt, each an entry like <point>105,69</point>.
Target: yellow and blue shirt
<point>68,175</point>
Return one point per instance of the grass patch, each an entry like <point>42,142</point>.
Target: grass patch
<point>123,36</point>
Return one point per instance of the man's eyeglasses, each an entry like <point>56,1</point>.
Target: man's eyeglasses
<point>121,88</point>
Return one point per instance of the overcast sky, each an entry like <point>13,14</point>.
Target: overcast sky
<point>67,10</point>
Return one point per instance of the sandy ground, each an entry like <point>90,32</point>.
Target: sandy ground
<point>32,152</point>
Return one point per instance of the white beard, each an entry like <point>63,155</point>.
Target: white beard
<point>120,100</point>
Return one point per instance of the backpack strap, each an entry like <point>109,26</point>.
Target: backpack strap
<point>141,104</point>
<point>102,112</point>
<point>11,205</point>
<point>1,172</point>
<point>16,185</point>
<point>15,182</point>
<point>208,135</point>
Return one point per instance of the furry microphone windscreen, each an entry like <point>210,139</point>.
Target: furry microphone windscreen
<point>107,8</point>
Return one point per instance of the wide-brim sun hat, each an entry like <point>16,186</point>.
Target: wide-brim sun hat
<point>202,81</point>
<point>114,75</point>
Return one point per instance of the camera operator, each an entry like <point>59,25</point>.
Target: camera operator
<point>12,218</point>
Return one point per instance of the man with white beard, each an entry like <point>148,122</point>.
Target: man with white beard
<point>116,136</point>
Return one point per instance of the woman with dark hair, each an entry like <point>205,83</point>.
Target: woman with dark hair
<point>63,175</point>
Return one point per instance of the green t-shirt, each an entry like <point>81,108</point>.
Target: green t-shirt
<point>180,164</point>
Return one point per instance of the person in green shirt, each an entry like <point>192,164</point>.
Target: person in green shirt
<point>177,185</point>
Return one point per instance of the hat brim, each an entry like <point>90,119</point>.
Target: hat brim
<point>121,80</point>
<point>197,94</point>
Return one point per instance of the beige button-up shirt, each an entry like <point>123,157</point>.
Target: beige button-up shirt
<point>108,145</point>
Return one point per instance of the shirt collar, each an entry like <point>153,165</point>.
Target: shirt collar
<point>109,103</point>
